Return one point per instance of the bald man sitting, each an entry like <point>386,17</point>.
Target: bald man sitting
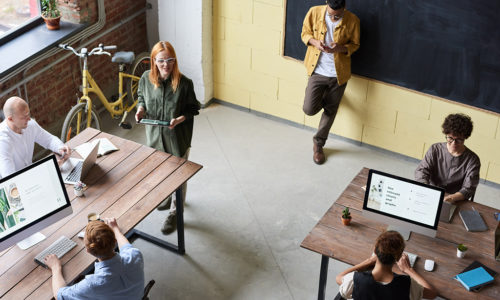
<point>18,135</point>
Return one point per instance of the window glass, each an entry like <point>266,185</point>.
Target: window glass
<point>14,14</point>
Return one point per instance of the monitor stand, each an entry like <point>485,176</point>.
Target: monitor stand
<point>31,241</point>
<point>405,233</point>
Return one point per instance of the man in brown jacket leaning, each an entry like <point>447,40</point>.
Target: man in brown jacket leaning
<point>331,34</point>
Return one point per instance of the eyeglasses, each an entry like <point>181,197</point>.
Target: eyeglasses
<point>165,61</point>
<point>450,140</point>
<point>335,17</point>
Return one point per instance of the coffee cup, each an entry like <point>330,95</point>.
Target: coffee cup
<point>93,217</point>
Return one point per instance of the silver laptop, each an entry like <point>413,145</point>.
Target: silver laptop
<point>74,169</point>
<point>447,211</point>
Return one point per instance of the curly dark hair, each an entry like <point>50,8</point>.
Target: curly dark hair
<point>336,4</point>
<point>458,125</point>
<point>389,247</point>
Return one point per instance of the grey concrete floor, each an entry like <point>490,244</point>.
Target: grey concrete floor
<point>247,211</point>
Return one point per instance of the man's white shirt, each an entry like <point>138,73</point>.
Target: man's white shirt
<point>326,64</point>
<point>16,150</point>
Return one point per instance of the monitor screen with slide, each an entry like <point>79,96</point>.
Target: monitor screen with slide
<point>30,200</point>
<point>405,205</point>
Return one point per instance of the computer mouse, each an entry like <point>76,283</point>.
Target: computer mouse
<point>81,234</point>
<point>429,265</point>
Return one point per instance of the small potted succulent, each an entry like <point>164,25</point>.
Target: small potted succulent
<point>346,216</point>
<point>461,249</point>
<point>78,187</point>
<point>50,14</point>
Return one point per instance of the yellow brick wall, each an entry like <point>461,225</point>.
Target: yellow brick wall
<point>250,71</point>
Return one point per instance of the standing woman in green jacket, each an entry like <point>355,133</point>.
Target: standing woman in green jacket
<point>165,94</point>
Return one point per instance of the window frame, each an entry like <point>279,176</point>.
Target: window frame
<point>23,28</point>
<point>34,39</point>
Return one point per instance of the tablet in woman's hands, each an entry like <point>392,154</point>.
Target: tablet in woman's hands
<point>154,122</point>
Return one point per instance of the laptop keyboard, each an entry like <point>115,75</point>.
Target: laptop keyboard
<point>412,258</point>
<point>75,173</point>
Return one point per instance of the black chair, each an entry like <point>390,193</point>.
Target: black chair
<point>147,288</point>
<point>338,297</point>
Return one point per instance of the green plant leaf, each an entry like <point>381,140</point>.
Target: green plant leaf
<point>4,206</point>
<point>49,9</point>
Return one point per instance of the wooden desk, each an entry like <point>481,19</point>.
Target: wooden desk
<point>127,184</point>
<point>352,244</point>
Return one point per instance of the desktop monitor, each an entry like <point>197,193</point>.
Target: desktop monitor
<point>403,204</point>
<point>30,200</point>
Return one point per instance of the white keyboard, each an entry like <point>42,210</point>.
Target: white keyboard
<point>60,247</point>
<point>412,258</point>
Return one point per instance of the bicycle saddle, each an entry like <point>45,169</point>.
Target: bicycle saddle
<point>123,57</point>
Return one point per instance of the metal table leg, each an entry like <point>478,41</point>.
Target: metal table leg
<point>323,273</point>
<point>179,248</point>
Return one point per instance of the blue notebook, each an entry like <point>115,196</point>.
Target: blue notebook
<point>474,278</point>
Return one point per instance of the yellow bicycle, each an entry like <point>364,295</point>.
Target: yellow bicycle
<point>82,115</point>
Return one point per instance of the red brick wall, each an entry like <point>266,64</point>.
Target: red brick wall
<point>52,94</point>
<point>78,11</point>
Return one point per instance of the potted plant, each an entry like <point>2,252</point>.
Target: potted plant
<point>461,249</point>
<point>50,14</point>
<point>346,216</point>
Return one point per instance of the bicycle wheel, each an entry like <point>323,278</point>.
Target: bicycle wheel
<point>141,64</point>
<point>70,127</point>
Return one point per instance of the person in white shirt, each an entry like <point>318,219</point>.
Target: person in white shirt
<point>18,135</point>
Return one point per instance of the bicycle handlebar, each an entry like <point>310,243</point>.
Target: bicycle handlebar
<point>99,50</point>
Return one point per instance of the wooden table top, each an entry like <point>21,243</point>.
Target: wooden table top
<point>126,184</point>
<point>352,244</point>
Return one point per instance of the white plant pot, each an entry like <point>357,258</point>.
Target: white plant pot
<point>78,193</point>
<point>460,254</point>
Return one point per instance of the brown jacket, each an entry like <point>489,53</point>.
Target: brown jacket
<point>346,33</point>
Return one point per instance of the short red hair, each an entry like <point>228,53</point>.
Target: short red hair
<point>100,239</point>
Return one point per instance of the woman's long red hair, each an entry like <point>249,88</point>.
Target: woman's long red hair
<point>154,75</point>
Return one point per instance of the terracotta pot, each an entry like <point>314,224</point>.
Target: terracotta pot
<point>346,221</point>
<point>52,23</point>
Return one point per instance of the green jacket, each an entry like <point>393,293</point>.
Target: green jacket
<point>163,104</point>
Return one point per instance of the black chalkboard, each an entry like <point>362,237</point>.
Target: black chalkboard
<point>446,48</point>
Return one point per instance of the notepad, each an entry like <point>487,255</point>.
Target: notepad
<point>476,264</point>
<point>475,278</point>
<point>105,147</point>
<point>472,220</point>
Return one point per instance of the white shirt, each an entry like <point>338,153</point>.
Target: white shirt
<point>326,64</point>
<point>16,150</point>
<point>347,286</point>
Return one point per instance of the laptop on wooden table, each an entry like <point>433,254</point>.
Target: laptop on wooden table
<point>447,211</point>
<point>75,169</point>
